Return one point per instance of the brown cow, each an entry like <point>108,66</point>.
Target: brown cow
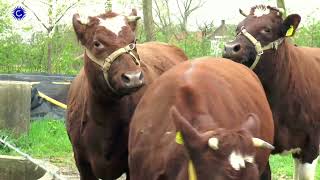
<point>290,77</point>
<point>98,111</point>
<point>221,110</point>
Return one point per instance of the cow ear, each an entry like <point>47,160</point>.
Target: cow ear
<point>185,132</point>
<point>252,124</point>
<point>133,19</point>
<point>80,26</point>
<point>290,25</point>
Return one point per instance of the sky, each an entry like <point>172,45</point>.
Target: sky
<point>213,10</point>
<point>229,9</point>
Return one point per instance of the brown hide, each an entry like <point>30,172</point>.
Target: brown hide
<point>290,77</point>
<point>97,123</point>
<point>291,80</point>
<point>213,98</point>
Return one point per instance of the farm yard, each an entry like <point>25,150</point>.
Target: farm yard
<point>45,47</point>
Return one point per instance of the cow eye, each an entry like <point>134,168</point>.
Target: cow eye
<point>98,44</point>
<point>266,30</point>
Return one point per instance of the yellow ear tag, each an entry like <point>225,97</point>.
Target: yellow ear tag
<point>179,138</point>
<point>290,31</point>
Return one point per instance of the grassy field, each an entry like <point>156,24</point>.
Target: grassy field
<point>47,139</point>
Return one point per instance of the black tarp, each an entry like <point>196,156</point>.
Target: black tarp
<point>54,86</point>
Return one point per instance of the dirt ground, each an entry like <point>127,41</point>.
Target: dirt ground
<point>71,173</point>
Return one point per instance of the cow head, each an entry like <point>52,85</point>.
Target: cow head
<point>261,32</point>
<point>111,58</point>
<point>221,153</point>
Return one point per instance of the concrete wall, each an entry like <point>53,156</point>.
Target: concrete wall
<point>15,98</point>
<point>15,168</point>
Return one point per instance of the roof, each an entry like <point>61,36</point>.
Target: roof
<point>221,31</point>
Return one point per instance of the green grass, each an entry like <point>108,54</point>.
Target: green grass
<point>282,167</point>
<point>47,139</point>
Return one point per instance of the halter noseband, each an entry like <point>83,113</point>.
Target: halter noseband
<point>106,63</point>
<point>258,47</point>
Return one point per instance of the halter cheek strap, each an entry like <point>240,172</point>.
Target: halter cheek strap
<point>258,47</point>
<point>106,63</point>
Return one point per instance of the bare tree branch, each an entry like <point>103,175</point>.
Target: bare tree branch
<point>197,6</point>
<point>62,14</point>
<point>24,4</point>
<point>45,3</point>
<point>180,10</point>
<point>163,16</point>
<point>205,28</point>
<point>156,9</point>
<point>186,8</point>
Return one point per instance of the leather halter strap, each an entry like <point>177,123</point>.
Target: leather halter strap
<point>106,63</point>
<point>258,47</point>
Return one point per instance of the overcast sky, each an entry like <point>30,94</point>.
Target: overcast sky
<point>212,10</point>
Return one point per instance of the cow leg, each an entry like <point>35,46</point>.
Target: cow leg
<point>266,175</point>
<point>296,168</point>
<point>305,171</point>
<point>84,169</point>
<point>127,175</point>
<point>86,172</point>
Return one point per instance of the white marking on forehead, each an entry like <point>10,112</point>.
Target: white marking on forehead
<point>113,24</point>
<point>249,159</point>
<point>260,12</point>
<point>238,161</point>
<point>83,19</point>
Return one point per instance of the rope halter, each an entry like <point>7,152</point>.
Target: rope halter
<point>258,47</point>
<point>106,63</point>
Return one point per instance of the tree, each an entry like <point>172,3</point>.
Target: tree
<point>186,8</point>
<point>148,19</point>
<point>281,4</point>
<point>5,20</point>
<point>55,14</point>
<point>108,5</point>
<point>206,28</point>
<point>163,15</point>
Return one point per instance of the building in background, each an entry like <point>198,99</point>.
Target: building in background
<point>218,38</point>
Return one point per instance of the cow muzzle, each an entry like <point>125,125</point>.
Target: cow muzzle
<point>132,79</point>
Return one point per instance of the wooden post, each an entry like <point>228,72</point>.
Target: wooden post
<point>15,97</point>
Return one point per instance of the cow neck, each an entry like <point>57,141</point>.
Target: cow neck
<point>105,109</point>
<point>97,86</point>
<point>274,71</point>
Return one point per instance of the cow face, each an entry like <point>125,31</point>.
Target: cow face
<point>266,26</point>
<point>221,153</point>
<point>111,56</point>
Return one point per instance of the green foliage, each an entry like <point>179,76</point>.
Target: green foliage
<point>282,167</point>
<point>195,47</point>
<point>19,55</point>
<point>308,35</point>
<point>5,19</point>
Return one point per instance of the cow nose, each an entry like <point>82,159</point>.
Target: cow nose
<point>231,49</point>
<point>132,79</point>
